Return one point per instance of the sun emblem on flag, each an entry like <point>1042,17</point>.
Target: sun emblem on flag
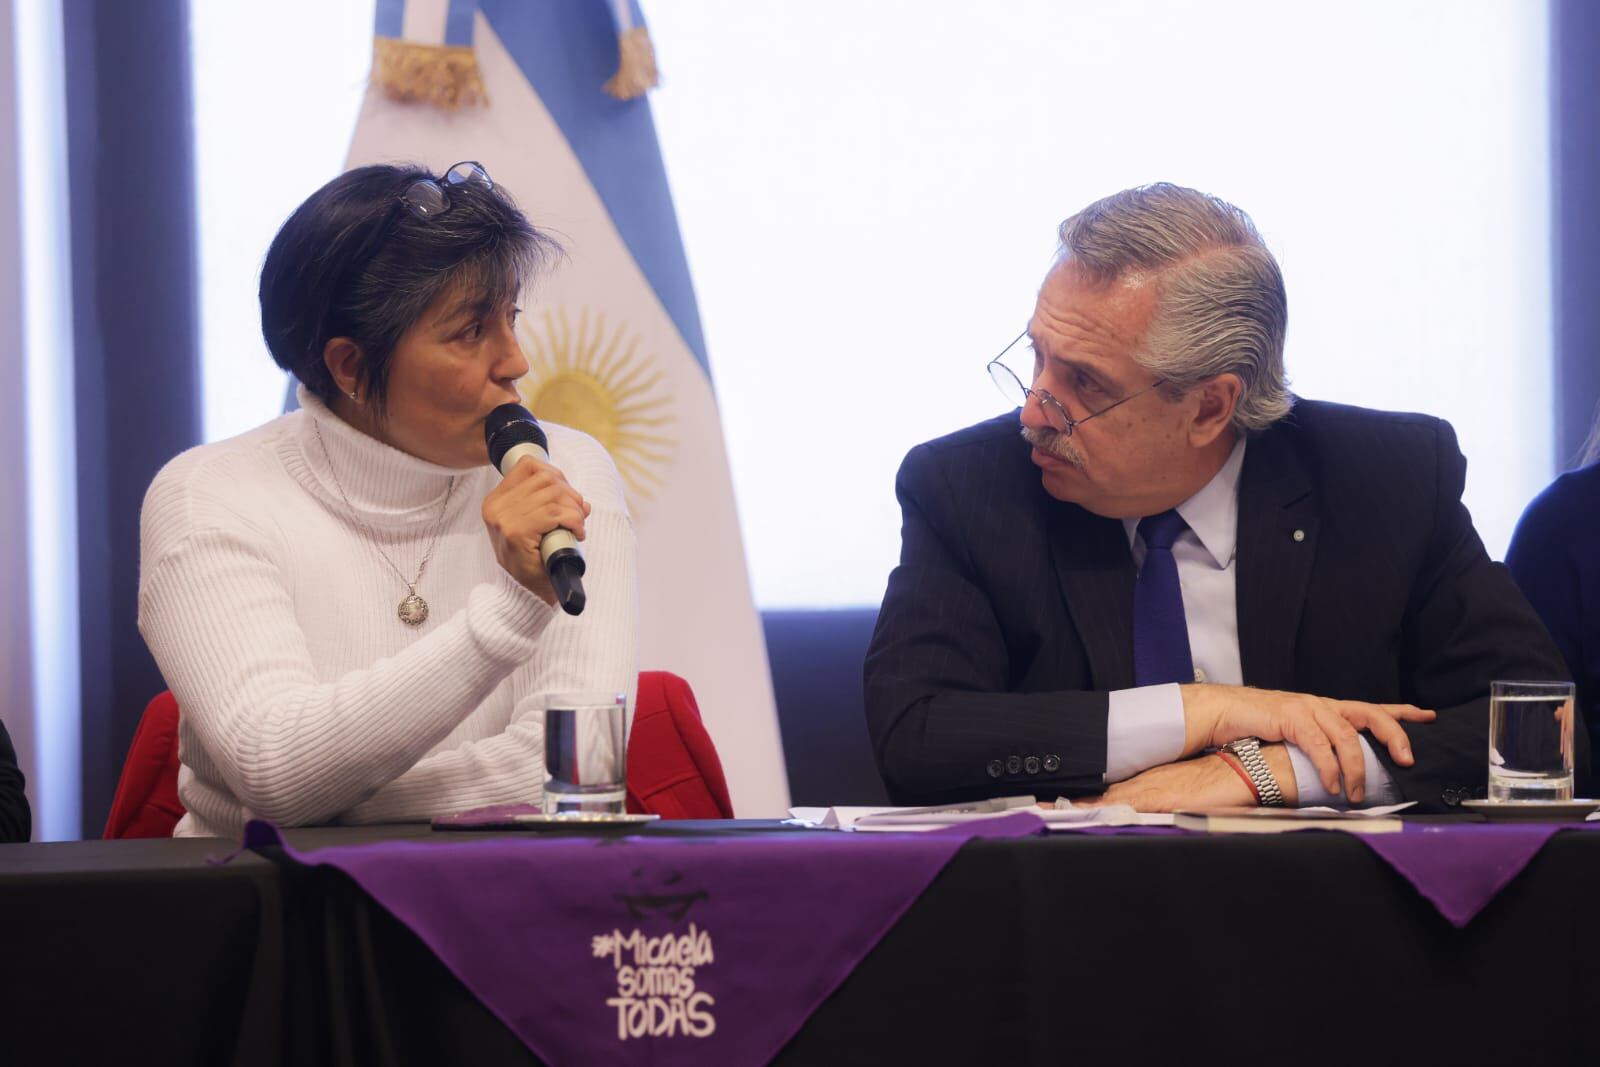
<point>596,379</point>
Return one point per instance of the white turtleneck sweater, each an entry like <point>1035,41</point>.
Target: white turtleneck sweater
<point>272,616</point>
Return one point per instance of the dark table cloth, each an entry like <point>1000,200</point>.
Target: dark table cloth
<point>1304,948</point>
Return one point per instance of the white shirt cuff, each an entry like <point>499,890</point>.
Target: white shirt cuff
<point>1144,729</point>
<point>1308,783</point>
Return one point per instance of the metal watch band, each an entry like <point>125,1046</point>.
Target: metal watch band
<point>1247,750</point>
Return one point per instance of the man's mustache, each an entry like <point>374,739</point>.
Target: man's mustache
<point>1054,443</point>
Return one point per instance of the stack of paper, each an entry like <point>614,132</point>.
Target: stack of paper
<point>1379,820</point>
<point>1061,816</point>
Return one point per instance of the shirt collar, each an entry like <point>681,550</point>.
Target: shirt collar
<point>1213,512</point>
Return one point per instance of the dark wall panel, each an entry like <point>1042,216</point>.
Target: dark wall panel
<point>1575,173</point>
<point>136,358</point>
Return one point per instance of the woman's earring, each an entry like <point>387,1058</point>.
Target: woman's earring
<point>352,394</point>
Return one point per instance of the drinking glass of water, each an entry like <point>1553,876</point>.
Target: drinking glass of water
<point>1530,741</point>
<point>585,754</point>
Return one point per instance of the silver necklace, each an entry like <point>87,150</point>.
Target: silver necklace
<point>413,609</point>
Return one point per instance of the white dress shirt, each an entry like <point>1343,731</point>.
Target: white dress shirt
<point>1145,726</point>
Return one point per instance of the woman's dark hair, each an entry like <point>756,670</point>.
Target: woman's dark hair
<point>353,261</point>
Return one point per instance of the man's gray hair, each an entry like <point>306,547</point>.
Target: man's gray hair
<point>1220,306</point>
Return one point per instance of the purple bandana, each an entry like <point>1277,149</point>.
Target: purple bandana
<point>652,950</point>
<point>1460,867</point>
<point>1456,867</point>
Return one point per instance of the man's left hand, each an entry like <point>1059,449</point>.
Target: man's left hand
<point>1202,782</point>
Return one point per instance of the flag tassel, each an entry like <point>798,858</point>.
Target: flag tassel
<point>636,66</point>
<point>446,76</point>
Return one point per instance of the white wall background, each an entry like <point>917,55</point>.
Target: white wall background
<point>277,88</point>
<point>869,193</point>
<point>38,505</point>
<point>16,644</point>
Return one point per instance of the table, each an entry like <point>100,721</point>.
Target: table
<point>1294,947</point>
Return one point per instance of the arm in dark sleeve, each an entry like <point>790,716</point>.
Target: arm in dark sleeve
<point>1466,625</point>
<point>1541,561</point>
<point>938,670</point>
<point>16,821</point>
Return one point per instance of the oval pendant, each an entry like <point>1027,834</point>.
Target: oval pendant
<point>413,610</point>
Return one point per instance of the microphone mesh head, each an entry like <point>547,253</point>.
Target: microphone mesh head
<point>509,425</point>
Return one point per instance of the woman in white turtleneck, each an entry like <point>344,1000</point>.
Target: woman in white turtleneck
<point>348,602</point>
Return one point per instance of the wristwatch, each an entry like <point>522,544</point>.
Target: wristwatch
<point>1247,750</point>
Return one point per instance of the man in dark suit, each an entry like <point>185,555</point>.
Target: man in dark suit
<point>1175,556</point>
<point>16,819</point>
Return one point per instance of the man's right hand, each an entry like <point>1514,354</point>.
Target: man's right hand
<point>1325,730</point>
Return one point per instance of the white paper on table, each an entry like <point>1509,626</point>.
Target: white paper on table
<point>1055,819</point>
<point>1061,818</point>
<point>1064,816</point>
<point>1364,813</point>
<point>1127,816</point>
<point>839,818</point>
<point>845,818</point>
<point>1123,815</point>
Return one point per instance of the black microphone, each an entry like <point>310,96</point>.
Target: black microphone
<point>511,433</point>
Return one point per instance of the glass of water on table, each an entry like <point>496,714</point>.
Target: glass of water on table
<point>585,754</point>
<point>1530,741</point>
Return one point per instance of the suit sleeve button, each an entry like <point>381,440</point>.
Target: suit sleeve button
<point>1031,764</point>
<point>1014,765</point>
<point>1052,763</point>
<point>995,768</point>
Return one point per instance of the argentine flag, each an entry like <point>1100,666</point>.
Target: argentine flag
<point>549,96</point>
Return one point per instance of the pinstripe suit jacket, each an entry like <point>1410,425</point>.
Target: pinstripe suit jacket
<point>1010,617</point>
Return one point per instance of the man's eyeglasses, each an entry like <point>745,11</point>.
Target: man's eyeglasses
<point>428,198</point>
<point>1006,380</point>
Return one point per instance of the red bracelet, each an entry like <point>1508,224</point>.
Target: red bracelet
<point>1239,770</point>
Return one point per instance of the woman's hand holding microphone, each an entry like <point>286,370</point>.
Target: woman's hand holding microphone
<point>532,500</point>
<point>535,518</point>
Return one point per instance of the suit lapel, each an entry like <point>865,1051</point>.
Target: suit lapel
<point>1095,570</point>
<point>1278,522</point>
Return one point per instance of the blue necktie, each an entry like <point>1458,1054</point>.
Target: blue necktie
<point>1160,632</point>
